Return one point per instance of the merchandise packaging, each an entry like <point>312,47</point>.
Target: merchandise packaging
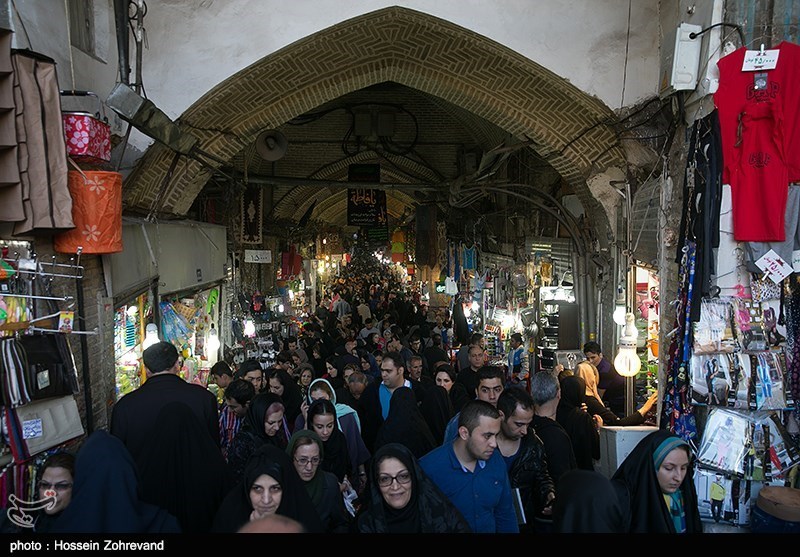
<point>725,499</point>
<point>783,452</point>
<point>768,374</point>
<point>714,332</point>
<point>724,443</point>
<point>749,324</point>
<point>742,388</point>
<point>711,378</point>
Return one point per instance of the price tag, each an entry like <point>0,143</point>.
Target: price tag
<point>774,266</point>
<point>257,256</point>
<point>755,60</point>
<point>32,429</point>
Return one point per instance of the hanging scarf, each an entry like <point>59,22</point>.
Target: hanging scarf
<point>792,344</point>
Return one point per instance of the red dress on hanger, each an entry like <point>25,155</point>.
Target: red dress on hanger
<point>759,115</point>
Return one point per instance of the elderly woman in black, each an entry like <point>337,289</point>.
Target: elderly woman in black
<point>306,450</point>
<point>401,499</point>
<point>264,423</point>
<point>270,485</point>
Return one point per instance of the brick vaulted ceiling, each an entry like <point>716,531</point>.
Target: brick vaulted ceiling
<point>451,90</point>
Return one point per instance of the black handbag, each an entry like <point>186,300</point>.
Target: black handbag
<point>50,368</point>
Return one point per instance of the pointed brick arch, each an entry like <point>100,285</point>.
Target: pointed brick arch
<point>570,129</point>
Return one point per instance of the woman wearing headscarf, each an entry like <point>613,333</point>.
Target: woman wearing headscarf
<point>264,423</point>
<point>270,485</point>
<point>347,421</point>
<point>446,377</point>
<point>405,425</point>
<point>437,409</point>
<point>322,421</point>
<point>56,477</point>
<point>180,457</point>
<point>579,425</point>
<point>306,450</point>
<point>655,486</point>
<point>595,404</point>
<point>105,494</point>
<point>587,503</point>
<point>400,499</point>
<point>285,386</point>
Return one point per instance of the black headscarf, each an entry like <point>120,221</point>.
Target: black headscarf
<point>105,498</point>
<point>640,493</point>
<point>578,424</point>
<point>253,422</point>
<point>587,503</point>
<point>437,409</point>
<point>181,456</point>
<point>316,486</point>
<point>295,503</point>
<point>336,458</point>
<point>428,510</point>
<point>292,396</point>
<point>405,425</point>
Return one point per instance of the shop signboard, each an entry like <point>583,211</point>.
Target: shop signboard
<point>366,207</point>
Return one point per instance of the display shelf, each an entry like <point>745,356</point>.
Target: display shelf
<point>558,324</point>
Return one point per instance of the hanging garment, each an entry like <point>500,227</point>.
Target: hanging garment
<point>760,179</point>
<point>469,259</point>
<point>450,287</point>
<point>42,150</point>
<point>755,250</point>
<point>744,119</point>
<point>737,92</point>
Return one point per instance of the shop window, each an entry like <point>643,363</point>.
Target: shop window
<point>81,25</point>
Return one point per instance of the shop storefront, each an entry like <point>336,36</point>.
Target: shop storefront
<point>173,294</point>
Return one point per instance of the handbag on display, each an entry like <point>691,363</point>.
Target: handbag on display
<point>762,288</point>
<point>42,425</point>
<point>50,369</point>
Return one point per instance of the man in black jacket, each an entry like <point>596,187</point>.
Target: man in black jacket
<point>133,418</point>
<point>517,441</point>
<point>376,398</point>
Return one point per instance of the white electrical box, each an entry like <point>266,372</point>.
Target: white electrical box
<point>616,443</point>
<point>680,62</point>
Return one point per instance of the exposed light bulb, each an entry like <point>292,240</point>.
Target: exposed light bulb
<point>249,328</point>
<point>475,306</point>
<point>150,336</point>
<point>280,308</point>
<point>213,340</point>
<point>627,362</point>
<point>619,315</point>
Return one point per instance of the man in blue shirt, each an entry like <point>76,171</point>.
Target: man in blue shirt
<point>490,385</point>
<point>472,473</point>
